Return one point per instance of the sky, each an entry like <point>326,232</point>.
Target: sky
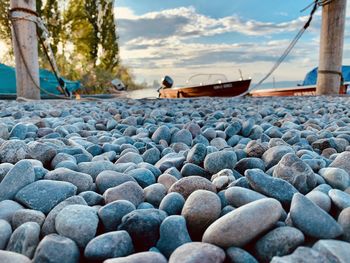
<point>181,38</point>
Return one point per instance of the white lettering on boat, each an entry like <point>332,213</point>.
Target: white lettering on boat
<point>223,86</point>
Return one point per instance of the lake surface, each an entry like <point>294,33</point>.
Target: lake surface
<point>143,93</point>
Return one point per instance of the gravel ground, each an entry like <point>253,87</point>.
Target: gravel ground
<point>188,180</point>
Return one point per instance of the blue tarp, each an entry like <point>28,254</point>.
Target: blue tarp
<point>311,77</point>
<point>47,81</point>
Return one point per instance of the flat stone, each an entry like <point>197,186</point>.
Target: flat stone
<point>111,214</point>
<point>217,161</point>
<point>273,187</point>
<point>49,223</point>
<point>56,249</point>
<point>142,257</point>
<point>200,210</point>
<point>187,185</point>
<point>173,233</point>
<point>336,177</point>
<point>197,252</point>
<point>279,242</point>
<point>27,215</point>
<point>312,220</point>
<point>143,227</point>
<point>12,257</point>
<point>5,233</point>
<point>25,239</point>
<point>109,245</point>
<point>18,177</point>
<point>82,181</point>
<point>8,208</point>
<point>296,172</point>
<point>242,225</point>
<point>44,195</point>
<point>129,191</point>
<point>172,203</point>
<point>239,196</point>
<point>77,222</point>
<point>109,179</point>
<point>238,255</point>
<point>339,198</point>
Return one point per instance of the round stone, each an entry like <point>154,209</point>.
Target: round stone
<point>187,185</point>
<point>217,161</point>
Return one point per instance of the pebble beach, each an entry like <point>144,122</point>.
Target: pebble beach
<point>207,180</point>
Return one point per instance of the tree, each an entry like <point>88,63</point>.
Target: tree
<point>5,30</point>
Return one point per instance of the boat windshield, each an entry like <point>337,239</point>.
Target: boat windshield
<point>206,79</point>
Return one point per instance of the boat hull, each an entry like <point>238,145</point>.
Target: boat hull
<point>227,89</point>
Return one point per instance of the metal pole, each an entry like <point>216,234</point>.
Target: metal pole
<point>331,47</point>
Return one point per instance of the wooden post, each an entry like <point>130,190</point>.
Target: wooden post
<point>331,47</point>
<point>24,34</point>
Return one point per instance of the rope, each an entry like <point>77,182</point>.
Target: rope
<point>32,16</point>
<point>289,48</point>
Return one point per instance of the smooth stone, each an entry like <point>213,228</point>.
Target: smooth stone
<point>56,249</point>
<point>142,257</point>
<point>336,177</point>
<point>143,227</point>
<point>129,191</point>
<point>25,239</point>
<point>151,156</point>
<point>154,194</point>
<point>92,198</point>
<point>13,151</point>
<point>183,136</point>
<point>62,158</point>
<point>324,188</point>
<point>162,133</point>
<point>42,152</point>
<point>170,160</point>
<point>82,181</point>
<point>4,132</point>
<point>44,195</point>
<point>130,157</point>
<point>279,242</point>
<point>19,131</point>
<point>312,220</point>
<point>8,208</point>
<point>145,205</point>
<point>255,149</point>
<point>334,250</point>
<point>173,233</point>
<point>95,168</point>
<point>200,210</point>
<point>273,155</point>
<point>77,222</point>
<point>4,169</point>
<point>190,169</point>
<point>219,143</point>
<point>187,185</point>
<point>197,252</point>
<point>167,180</point>
<point>197,154</point>
<point>27,215</point>
<point>5,233</point>
<point>341,161</point>
<point>302,255</point>
<point>12,257</point>
<point>339,198</point>
<point>217,161</point>
<point>296,172</point>
<point>270,186</point>
<point>109,245</point>
<point>21,175</point>
<point>344,221</point>
<point>239,196</point>
<point>238,255</point>
<point>172,203</point>
<point>242,225</point>
<point>321,199</point>
<point>49,223</point>
<point>109,179</point>
<point>143,177</point>
<point>111,214</point>
<point>249,163</point>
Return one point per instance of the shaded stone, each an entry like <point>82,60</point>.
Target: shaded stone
<point>238,255</point>
<point>273,155</point>
<point>95,168</point>
<point>336,177</point>
<point>27,215</point>
<point>151,156</point>
<point>25,239</point>
<point>279,242</point>
<point>320,199</point>
<point>8,208</point>
<point>167,180</point>
<point>197,154</point>
<point>242,225</point>
<point>56,249</point>
<point>239,196</point>
<point>173,233</point>
<point>172,203</point>
<point>129,191</point>
<point>130,157</point>
<point>110,245</point>
<point>344,221</point>
<point>5,233</point>
<point>197,252</point>
<point>183,136</point>
<point>43,195</point>
<point>154,194</point>
<point>190,169</point>
<point>142,257</point>
<point>312,220</point>
<point>18,177</point>
<point>339,198</point>
<point>111,214</point>
<point>302,255</point>
<point>92,198</point>
<point>171,160</point>
<point>77,222</point>
<point>143,227</point>
<point>162,133</point>
<point>144,177</point>
<point>249,163</point>
<point>334,250</point>
<point>108,179</point>
<point>42,152</point>
<point>187,185</point>
<point>217,161</point>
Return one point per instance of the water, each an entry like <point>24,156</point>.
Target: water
<point>143,93</point>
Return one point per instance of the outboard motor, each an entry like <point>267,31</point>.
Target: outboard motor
<point>167,83</point>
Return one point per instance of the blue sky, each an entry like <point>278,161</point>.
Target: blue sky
<point>184,37</point>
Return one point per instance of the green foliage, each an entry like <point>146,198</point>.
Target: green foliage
<point>5,31</point>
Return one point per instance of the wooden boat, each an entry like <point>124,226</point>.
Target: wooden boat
<point>293,91</point>
<point>214,89</point>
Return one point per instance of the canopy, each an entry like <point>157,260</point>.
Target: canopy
<point>311,77</point>
<point>48,81</point>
